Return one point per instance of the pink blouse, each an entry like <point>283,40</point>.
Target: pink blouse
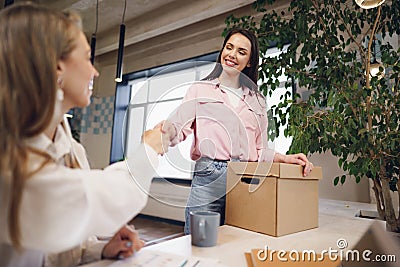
<point>221,130</point>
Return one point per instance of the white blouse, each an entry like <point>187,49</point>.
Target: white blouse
<point>61,207</point>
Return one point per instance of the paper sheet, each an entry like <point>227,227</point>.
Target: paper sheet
<point>162,259</point>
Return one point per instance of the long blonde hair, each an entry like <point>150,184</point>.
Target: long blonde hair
<point>33,40</point>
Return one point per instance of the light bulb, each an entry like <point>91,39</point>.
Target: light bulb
<point>374,70</point>
<point>367,4</point>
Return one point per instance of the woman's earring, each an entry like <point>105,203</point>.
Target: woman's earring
<point>60,92</point>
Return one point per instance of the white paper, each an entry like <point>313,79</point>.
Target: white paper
<point>155,258</point>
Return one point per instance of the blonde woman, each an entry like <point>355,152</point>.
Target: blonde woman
<point>50,200</point>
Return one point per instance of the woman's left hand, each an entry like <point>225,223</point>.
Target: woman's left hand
<point>299,159</point>
<point>123,244</point>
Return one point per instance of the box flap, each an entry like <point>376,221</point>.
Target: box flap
<point>255,168</point>
<point>281,170</point>
<point>296,171</point>
<point>264,257</point>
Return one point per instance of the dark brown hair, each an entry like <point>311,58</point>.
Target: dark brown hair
<point>249,75</point>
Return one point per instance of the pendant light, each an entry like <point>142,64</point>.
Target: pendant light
<point>8,2</point>
<point>367,4</point>
<point>376,67</point>
<point>93,39</point>
<point>118,77</point>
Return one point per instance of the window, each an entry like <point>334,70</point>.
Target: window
<point>281,144</point>
<point>152,100</point>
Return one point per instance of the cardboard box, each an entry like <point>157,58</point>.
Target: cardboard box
<point>272,198</point>
<point>376,248</point>
<point>315,260</point>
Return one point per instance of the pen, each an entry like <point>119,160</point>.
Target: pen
<point>184,263</point>
<point>195,264</point>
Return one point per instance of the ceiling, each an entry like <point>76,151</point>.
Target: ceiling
<point>144,19</point>
<point>110,12</point>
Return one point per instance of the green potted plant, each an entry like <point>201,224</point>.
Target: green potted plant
<point>331,46</point>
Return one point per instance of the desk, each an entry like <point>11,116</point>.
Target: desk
<point>336,220</point>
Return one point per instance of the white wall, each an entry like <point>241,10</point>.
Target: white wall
<point>350,190</point>
<point>98,145</point>
<point>98,149</point>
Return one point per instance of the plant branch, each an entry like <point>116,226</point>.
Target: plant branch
<point>398,197</point>
<point>377,192</point>
<point>350,34</point>
<point>340,88</point>
<point>323,25</point>
<point>371,39</point>
<point>367,72</point>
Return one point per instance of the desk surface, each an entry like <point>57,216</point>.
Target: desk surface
<point>336,221</point>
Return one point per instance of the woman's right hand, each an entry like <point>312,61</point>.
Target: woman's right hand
<point>158,140</point>
<point>123,244</point>
<point>167,128</point>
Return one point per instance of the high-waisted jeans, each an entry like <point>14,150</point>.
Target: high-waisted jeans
<point>208,189</point>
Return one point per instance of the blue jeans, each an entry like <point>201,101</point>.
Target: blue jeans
<point>208,189</point>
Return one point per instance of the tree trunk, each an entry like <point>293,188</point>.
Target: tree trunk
<point>398,197</point>
<point>380,204</point>
<point>390,216</point>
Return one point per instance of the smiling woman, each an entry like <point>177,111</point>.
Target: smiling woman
<point>50,199</point>
<point>228,117</point>
<point>75,74</point>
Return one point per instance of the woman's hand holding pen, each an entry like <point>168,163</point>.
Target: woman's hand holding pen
<point>123,244</point>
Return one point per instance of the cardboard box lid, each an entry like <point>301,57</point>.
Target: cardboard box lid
<point>316,260</point>
<point>269,169</point>
<point>264,170</point>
